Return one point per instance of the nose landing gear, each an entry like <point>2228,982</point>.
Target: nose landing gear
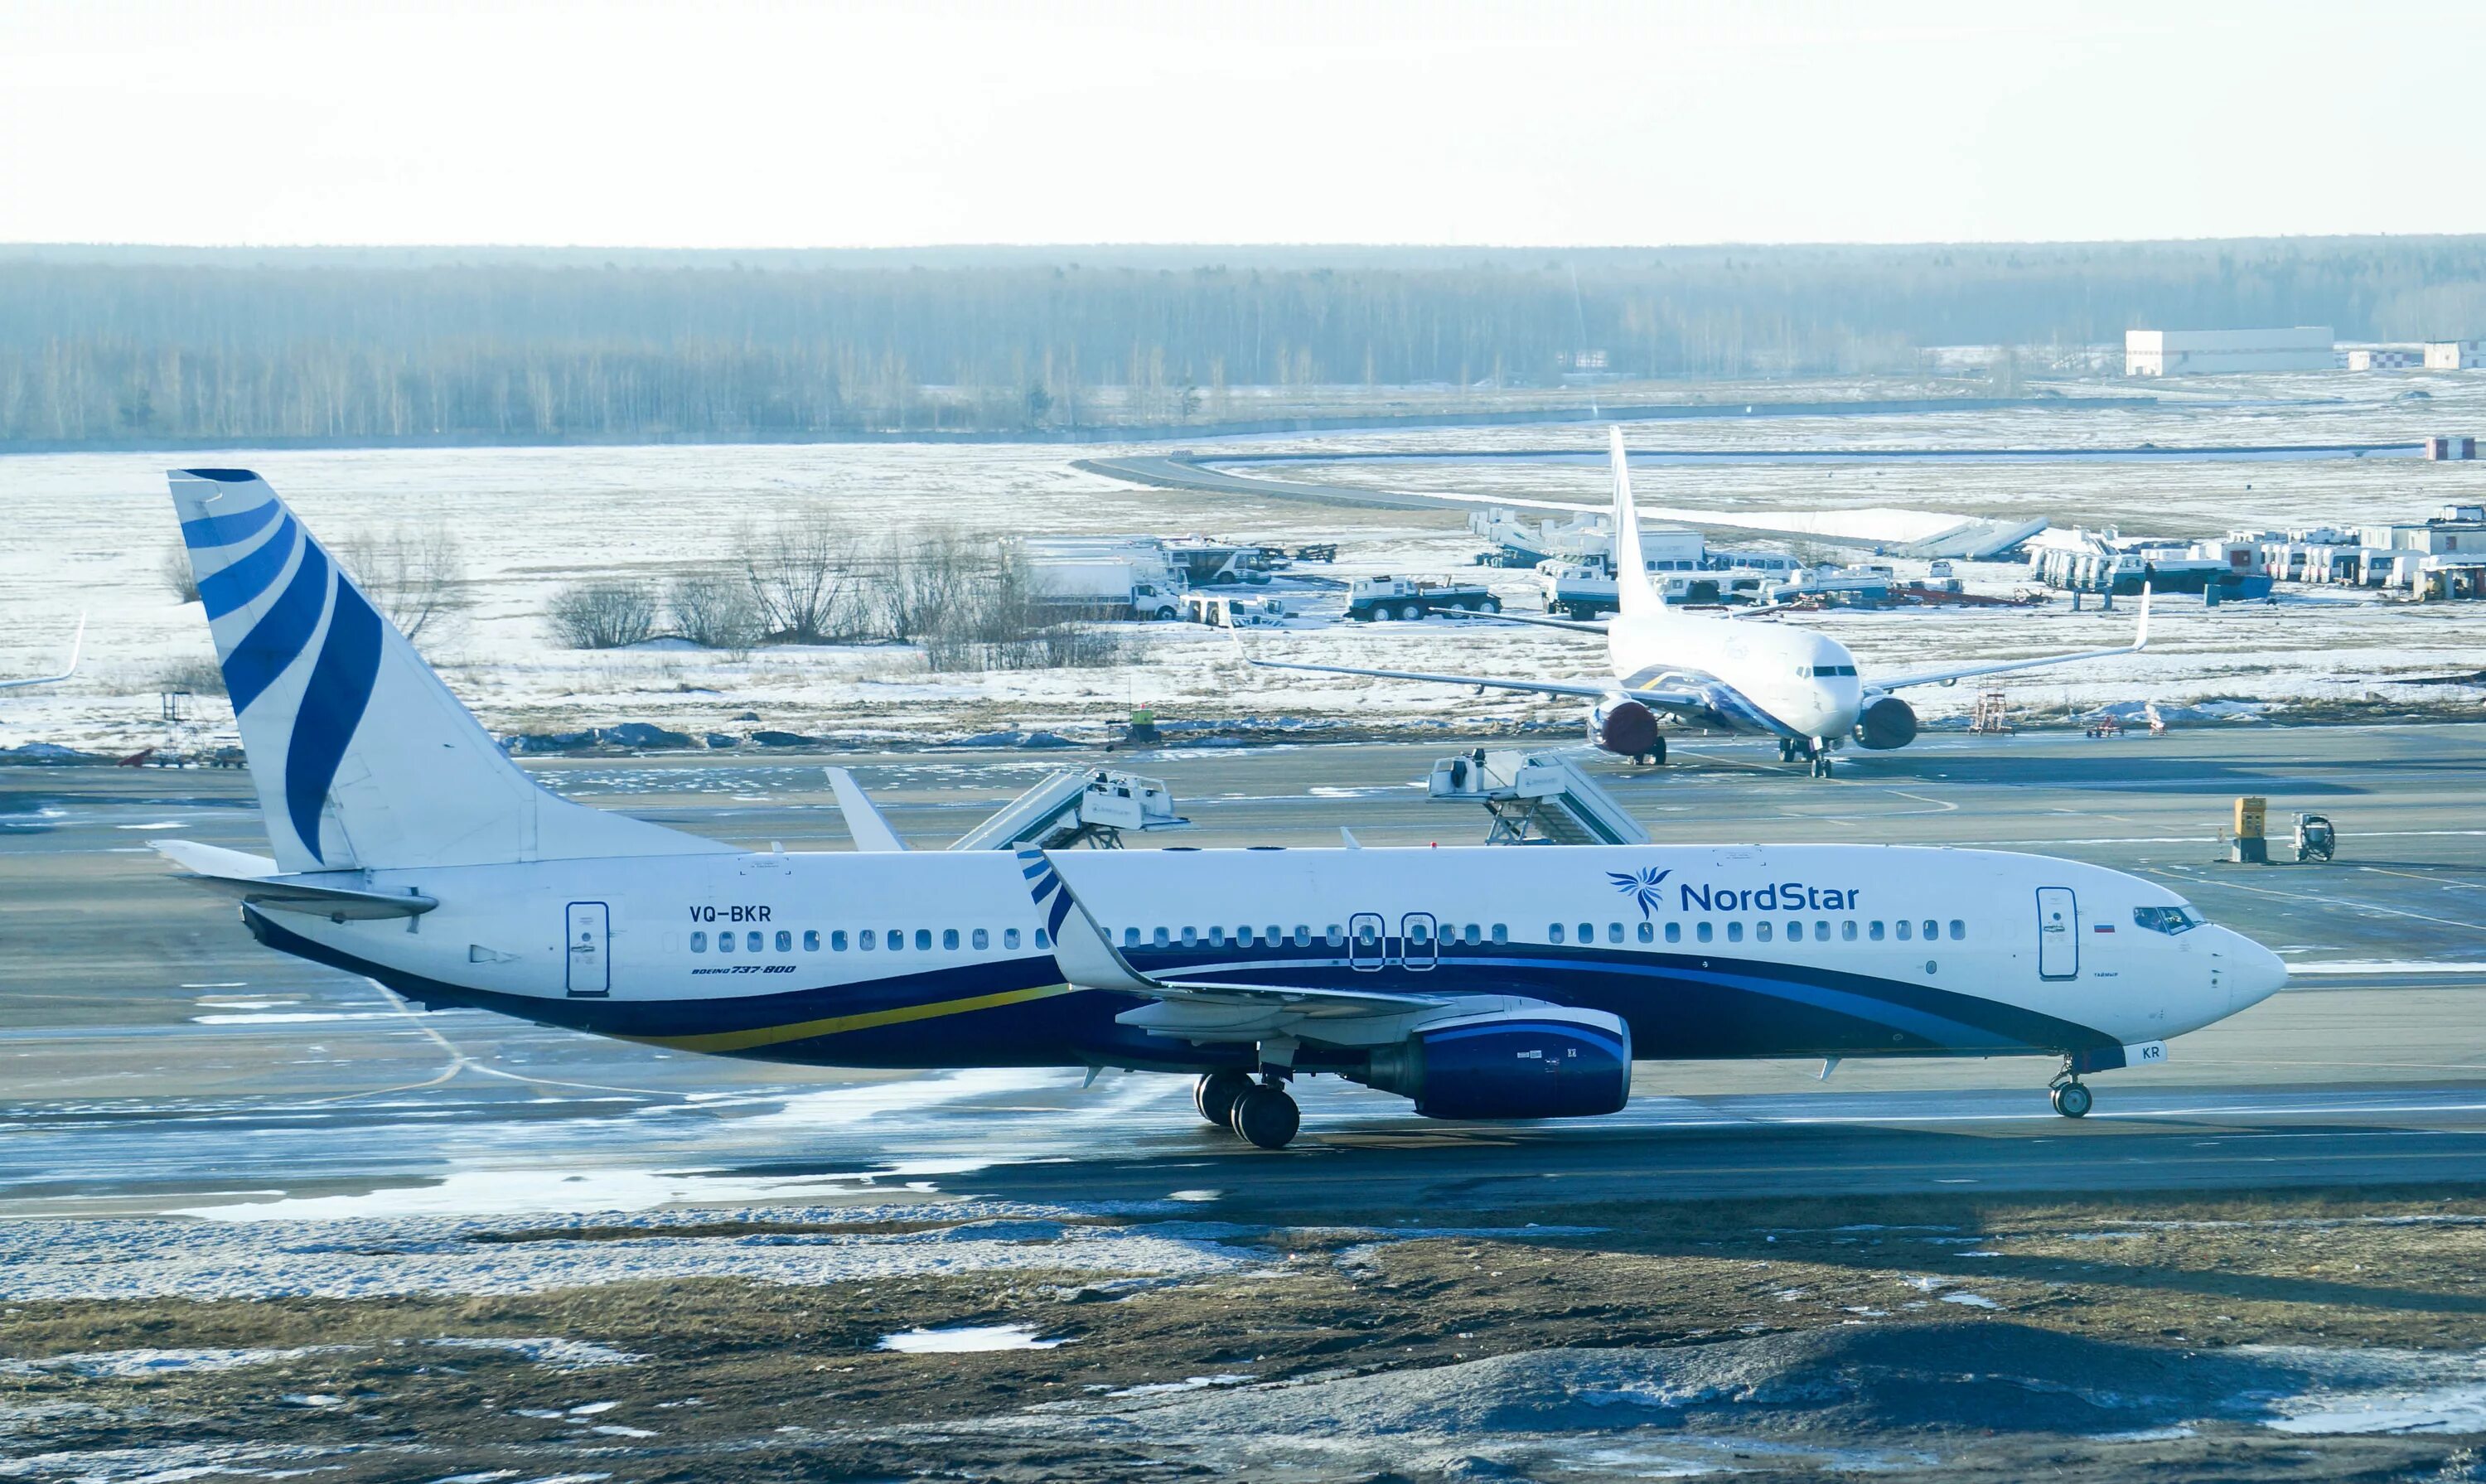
<point>1814,751</point>
<point>1261,1113</point>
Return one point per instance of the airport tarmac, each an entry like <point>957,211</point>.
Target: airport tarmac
<point>157,1060</point>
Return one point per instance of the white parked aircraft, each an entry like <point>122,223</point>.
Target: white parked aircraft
<point>1481,983</point>
<point>1726,674</point>
<point>77,643</point>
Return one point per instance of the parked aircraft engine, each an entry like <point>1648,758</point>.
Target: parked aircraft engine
<point>1620,724</point>
<point>1886,722</point>
<point>1551,1063</point>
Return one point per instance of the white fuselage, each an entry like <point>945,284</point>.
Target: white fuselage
<point>1775,678</point>
<point>944,959</point>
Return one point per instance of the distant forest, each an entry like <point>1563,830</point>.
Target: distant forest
<point>103,346</point>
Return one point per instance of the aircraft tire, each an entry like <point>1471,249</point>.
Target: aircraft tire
<point>1657,754</point>
<point>1265,1117</point>
<point>2072,1099</point>
<point>1215,1093</point>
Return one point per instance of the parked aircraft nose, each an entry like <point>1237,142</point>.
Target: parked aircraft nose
<point>2253,972</point>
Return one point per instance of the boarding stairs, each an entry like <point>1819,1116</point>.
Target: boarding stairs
<point>1535,799</point>
<point>1090,807</point>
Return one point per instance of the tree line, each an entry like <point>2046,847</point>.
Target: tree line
<point>105,345</point>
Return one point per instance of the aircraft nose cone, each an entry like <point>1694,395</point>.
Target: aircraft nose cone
<point>2255,972</point>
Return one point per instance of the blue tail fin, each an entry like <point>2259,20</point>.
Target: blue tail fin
<point>363,759</point>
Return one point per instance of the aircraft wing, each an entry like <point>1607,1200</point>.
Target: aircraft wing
<point>1542,687</point>
<point>1211,1011</point>
<point>77,643</point>
<point>2140,642</point>
<point>1540,621</point>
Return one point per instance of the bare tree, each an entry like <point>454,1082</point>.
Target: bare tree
<point>799,572</point>
<point>603,614</point>
<point>921,582</point>
<point>715,611</point>
<point>413,573</point>
<point>179,575</point>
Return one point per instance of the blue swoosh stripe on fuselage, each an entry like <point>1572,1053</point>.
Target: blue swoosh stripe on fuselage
<point>1676,1009</point>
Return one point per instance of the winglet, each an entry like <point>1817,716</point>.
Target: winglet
<point>78,644</point>
<point>863,819</point>
<point>2141,633</point>
<point>1633,594</point>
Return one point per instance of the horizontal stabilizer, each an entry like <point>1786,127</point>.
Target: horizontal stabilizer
<point>256,880</point>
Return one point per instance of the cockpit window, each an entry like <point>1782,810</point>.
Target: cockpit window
<point>2165,919</point>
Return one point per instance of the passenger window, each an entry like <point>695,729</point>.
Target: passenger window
<point>1190,936</point>
<point>1674,932</point>
<point>1243,936</point>
<point>1010,937</point>
<point>1702,932</point>
<point>896,939</point>
<point>1847,930</point>
<point>1303,935</point>
<point>1415,933</point>
<point>1821,932</point>
<point>1933,930</point>
<point>725,942</point>
<point>1795,933</point>
<point>1335,935</point>
<point>1873,929</point>
<point>1161,938</point>
<point>751,941</point>
<point>1648,932</point>
<point>785,941</point>
<point>838,940</point>
<point>811,940</point>
<point>982,939</point>
<point>1041,941</point>
<point>1588,932</point>
<point>1958,929</point>
<point>1476,935</point>
<point>698,943</point>
<point>1502,932</point>
<point>1903,929</point>
<point>1553,932</point>
<point>869,940</point>
<point>1734,931</point>
<point>949,938</point>
<point>923,940</point>
<point>1762,932</point>
<point>1368,935</point>
<point>1614,932</point>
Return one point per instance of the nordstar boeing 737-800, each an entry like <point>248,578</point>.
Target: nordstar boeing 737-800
<point>1725,673</point>
<point>1479,983</point>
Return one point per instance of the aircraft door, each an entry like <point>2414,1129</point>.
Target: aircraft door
<point>1365,947</point>
<point>2058,934</point>
<point>589,931</point>
<point>1419,941</point>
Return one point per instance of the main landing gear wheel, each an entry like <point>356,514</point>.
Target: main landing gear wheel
<point>1214,1095</point>
<point>1266,1116</point>
<point>2071,1099</point>
<point>1656,757</point>
<point>1821,765</point>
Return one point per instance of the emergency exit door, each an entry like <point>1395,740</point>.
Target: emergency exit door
<point>2058,934</point>
<point>588,932</point>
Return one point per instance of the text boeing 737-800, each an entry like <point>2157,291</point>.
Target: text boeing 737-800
<point>1481,983</point>
<point>1724,674</point>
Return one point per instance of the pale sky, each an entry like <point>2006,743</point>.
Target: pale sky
<point>744,123</point>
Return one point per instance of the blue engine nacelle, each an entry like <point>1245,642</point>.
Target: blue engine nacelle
<point>1623,726</point>
<point>1550,1062</point>
<point>1886,722</point>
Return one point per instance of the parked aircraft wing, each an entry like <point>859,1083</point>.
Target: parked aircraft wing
<point>1540,621</point>
<point>865,821</point>
<point>77,643</point>
<point>256,880</point>
<point>1542,687</point>
<point>2140,642</point>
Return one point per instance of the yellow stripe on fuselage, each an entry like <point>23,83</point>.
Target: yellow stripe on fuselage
<point>804,1031</point>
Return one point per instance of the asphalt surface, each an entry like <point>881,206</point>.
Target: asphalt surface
<point>153,1059</point>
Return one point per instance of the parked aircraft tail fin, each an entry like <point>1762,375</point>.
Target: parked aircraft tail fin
<point>1633,592</point>
<point>362,756</point>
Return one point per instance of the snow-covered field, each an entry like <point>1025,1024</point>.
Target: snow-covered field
<point>91,531</point>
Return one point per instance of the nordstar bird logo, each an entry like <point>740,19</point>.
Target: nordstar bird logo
<point>1641,887</point>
